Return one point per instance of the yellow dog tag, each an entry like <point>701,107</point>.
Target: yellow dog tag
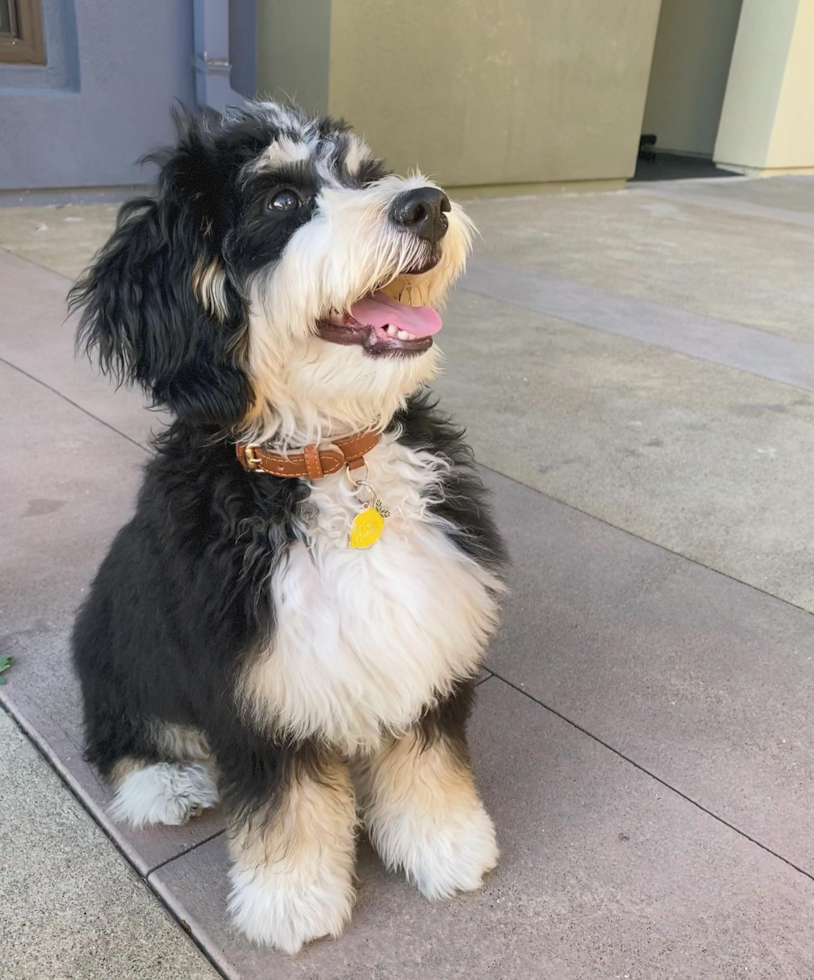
<point>367,527</point>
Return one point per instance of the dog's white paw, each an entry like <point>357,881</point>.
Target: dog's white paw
<point>166,792</point>
<point>276,906</point>
<point>440,856</point>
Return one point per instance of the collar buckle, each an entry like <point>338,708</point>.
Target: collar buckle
<point>253,462</point>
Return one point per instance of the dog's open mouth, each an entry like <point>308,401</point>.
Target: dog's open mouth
<point>382,325</point>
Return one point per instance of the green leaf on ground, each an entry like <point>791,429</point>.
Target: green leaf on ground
<point>5,662</point>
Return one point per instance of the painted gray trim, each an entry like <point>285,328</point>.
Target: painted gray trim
<point>731,344</point>
<point>213,70</point>
<point>732,205</point>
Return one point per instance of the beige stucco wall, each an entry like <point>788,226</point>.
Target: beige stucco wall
<point>690,68</point>
<point>476,92</point>
<point>766,122</point>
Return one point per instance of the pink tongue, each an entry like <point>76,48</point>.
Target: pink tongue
<point>379,310</point>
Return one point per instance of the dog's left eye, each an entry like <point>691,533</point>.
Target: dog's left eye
<point>284,201</point>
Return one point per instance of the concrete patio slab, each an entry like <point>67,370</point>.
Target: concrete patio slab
<point>784,198</point>
<point>733,205</point>
<point>63,500</point>
<point>72,907</point>
<point>62,237</point>
<point>682,452</point>
<point>35,337</point>
<point>604,873</point>
<point>701,680</point>
<point>701,259</point>
<point>766,355</point>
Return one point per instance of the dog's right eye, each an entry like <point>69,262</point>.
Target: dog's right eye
<point>286,200</point>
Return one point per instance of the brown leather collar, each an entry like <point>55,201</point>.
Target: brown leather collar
<point>312,462</point>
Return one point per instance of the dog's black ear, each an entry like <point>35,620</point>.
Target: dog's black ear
<point>158,306</point>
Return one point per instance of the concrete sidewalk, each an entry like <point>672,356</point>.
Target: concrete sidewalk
<point>72,906</point>
<point>636,371</point>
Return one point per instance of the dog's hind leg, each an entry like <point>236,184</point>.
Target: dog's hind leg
<point>171,791</point>
<point>162,792</point>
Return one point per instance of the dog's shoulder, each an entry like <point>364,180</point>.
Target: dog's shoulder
<point>464,503</point>
<point>422,425</point>
<point>209,526</point>
<point>195,472</point>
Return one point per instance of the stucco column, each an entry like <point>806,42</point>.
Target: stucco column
<point>767,121</point>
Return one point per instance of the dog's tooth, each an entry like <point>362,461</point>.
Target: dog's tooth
<point>403,335</point>
<point>392,331</point>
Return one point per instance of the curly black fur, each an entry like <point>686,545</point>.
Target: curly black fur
<point>181,599</point>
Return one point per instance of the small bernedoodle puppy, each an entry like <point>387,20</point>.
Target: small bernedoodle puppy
<point>293,620</point>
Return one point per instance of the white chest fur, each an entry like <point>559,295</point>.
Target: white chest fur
<point>365,640</point>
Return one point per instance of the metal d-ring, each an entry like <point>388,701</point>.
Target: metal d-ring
<point>369,496</point>
<point>352,479</point>
<point>362,485</point>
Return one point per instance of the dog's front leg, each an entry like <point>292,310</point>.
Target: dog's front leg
<point>293,857</point>
<point>423,811</point>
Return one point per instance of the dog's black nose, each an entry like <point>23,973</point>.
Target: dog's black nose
<point>423,212</point>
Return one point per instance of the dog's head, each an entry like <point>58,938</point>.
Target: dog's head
<point>280,282</point>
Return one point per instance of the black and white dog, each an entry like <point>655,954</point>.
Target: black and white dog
<point>273,629</point>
